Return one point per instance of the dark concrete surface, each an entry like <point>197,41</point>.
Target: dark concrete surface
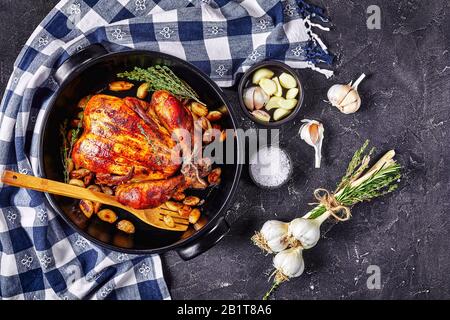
<point>406,104</point>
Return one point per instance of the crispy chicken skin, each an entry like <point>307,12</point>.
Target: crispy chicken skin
<point>148,194</point>
<point>131,143</point>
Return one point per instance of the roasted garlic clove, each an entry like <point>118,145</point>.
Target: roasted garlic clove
<point>76,182</point>
<point>126,226</point>
<point>173,206</point>
<point>87,207</point>
<point>120,86</point>
<point>142,91</point>
<point>214,176</point>
<point>214,116</point>
<point>107,215</point>
<point>194,215</point>
<point>184,211</point>
<point>179,196</point>
<point>79,173</point>
<point>168,220</point>
<point>199,109</point>
<point>191,201</point>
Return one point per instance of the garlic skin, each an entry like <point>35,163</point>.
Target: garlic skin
<point>275,232</point>
<point>345,97</point>
<point>288,264</point>
<point>307,231</point>
<point>312,132</point>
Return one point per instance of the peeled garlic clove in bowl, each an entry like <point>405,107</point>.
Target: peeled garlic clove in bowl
<point>345,97</point>
<point>255,98</point>
<point>312,133</point>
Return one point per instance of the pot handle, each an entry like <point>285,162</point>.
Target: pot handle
<point>78,59</point>
<point>208,240</point>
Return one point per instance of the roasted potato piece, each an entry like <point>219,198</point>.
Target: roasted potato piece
<point>120,86</point>
<point>87,207</point>
<point>184,211</point>
<point>169,221</point>
<point>214,116</point>
<point>126,226</point>
<point>191,201</point>
<point>194,215</point>
<point>76,182</point>
<point>107,215</point>
<point>173,206</point>
<point>214,176</point>
<point>142,91</point>
<point>199,109</point>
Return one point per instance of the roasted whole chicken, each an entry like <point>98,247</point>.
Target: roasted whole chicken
<point>144,149</point>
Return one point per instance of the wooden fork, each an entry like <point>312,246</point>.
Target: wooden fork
<point>153,217</point>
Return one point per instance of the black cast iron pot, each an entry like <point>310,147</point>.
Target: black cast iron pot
<point>90,71</point>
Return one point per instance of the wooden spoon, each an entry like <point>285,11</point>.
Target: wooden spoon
<point>153,217</point>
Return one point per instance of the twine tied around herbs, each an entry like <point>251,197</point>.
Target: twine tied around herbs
<point>333,206</point>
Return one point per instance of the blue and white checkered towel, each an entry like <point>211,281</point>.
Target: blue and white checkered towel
<point>40,256</point>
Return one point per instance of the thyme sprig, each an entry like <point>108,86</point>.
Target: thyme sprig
<point>67,147</point>
<point>162,78</point>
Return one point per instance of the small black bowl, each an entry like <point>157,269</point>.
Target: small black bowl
<point>276,66</point>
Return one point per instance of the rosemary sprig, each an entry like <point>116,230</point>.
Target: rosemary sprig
<point>161,78</point>
<point>64,149</point>
<point>379,182</point>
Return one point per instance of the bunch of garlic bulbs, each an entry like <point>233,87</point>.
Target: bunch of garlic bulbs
<point>287,241</point>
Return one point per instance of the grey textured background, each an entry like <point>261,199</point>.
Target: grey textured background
<point>406,103</point>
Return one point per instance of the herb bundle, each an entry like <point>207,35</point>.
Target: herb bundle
<point>162,78</point>
<point>288,240</point>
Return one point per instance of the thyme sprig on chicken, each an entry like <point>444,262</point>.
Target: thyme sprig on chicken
<point>162,78</point>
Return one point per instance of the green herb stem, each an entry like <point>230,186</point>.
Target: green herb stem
<point>162,78</point>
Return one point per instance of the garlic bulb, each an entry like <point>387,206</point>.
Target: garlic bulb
<point>272,237</point>
<point>306,231</point>
<point>288,264</point>
<point>312,133</point>
<point>345,97</point>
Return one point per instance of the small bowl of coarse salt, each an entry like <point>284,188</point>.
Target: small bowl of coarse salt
<point>270,167</point>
